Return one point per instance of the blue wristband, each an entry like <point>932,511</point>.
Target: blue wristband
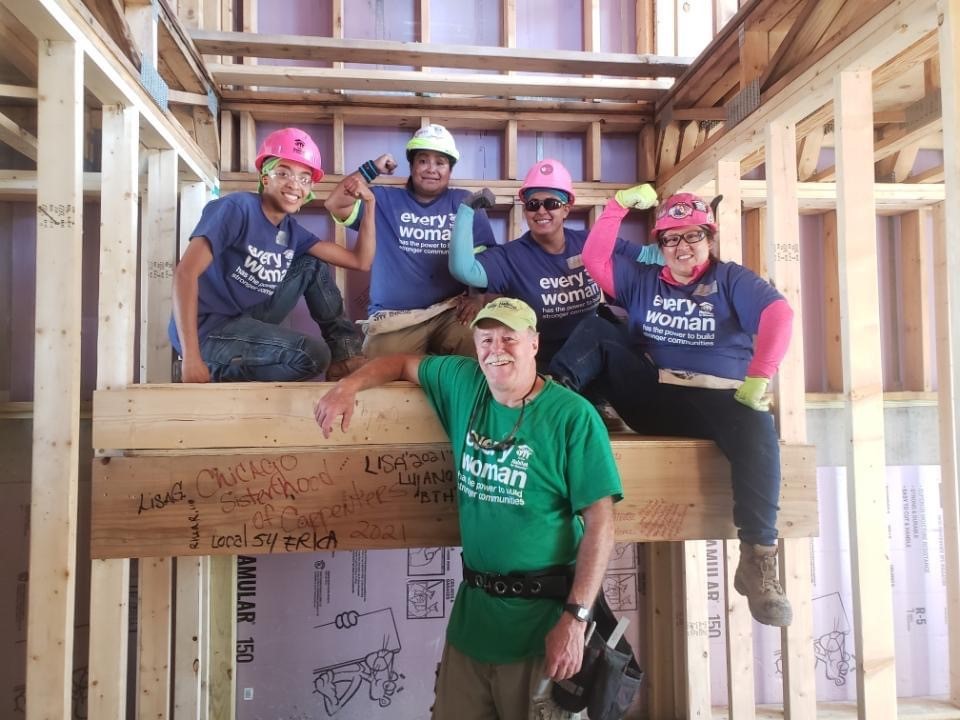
<point>368,171</point>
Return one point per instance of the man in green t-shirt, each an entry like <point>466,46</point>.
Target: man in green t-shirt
<point>536,484</point>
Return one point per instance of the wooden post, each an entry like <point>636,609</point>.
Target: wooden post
<point>157,256</point>
<point>863,388</point>
<point>248,142</point>
<point>916,318</point>
<point>646,23</point>
<point>948,350</point>
<point>658,629</point>
<point>697,635</point>
<point>191,660</point>
<point>833,355</point>
<point>593,165</point>
<point>155,593</point>
<point>223,637</point>
<point>110,579</point>
<point>783,254</point>
<point>739,623</point>
<point>56,390</point>
<point>510,151</point>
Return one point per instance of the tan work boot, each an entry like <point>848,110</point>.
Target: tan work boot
<point>756,579</point>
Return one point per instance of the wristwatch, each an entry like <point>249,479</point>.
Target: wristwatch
<point>580,612</point>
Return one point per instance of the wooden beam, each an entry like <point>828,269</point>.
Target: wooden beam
<point>56,392</point>
<point>741,696</point>
<point>809,155</point>
<point>882,31</point>
<point>436,82</point>
<point>948,310</point>
<point>386,52</point>
<point>593,150</point>
<point>783,254</point>
<point>17,138</point>
<point>154,635</point>
<point>813,22</point>
<point>863,384</point>
<point>190,695</point>
<point>697,629</point>
<point>223,638</point>
<point>644,26</point>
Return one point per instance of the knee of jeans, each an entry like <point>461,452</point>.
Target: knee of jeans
<point>314,357</point>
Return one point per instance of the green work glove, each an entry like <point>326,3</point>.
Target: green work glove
<point>752,393</point>
<point>639,197</point>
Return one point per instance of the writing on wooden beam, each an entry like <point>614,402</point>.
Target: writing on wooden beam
<point>393,497</point>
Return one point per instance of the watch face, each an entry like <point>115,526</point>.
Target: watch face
<point>578,611</point>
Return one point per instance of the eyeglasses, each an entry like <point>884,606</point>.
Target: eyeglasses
<point>485,443</point>
<point>283,175</point>
<point>690,238</point>
<point>550,203</point>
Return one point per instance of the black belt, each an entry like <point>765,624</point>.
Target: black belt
<point>553,583</point>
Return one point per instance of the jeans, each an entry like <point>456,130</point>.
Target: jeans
<point>600,357</point>
<point>254,346</point>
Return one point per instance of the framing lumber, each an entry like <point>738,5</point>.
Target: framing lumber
<point>696,614</point>
<point>833,355</point>
<point>916,321</point>
<point>157,262</point>
<point>56,426</point>
<point>417,54</point>
<point>223,638</point>
<point>817,197</point>
<point>863,384</point>
<point>783,253</point>
<point>17,137</point>
<point>110,579</point>
<point>808,30</point>
<point>154,635</point>
<point>110,77</point>
<point>882,31</point>
<point>948,376</point>
<point>436,82</point>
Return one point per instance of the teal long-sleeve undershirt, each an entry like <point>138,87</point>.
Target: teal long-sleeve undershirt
<point>462,261</point>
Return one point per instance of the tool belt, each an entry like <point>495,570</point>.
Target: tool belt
<point>553,583</point>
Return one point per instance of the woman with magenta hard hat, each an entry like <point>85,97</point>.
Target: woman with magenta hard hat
<point>688,365</point>
<point>248,264</point>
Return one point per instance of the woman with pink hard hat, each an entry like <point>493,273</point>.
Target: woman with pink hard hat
<point>248,264</point>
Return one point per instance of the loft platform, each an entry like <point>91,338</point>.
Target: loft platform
<point>243,469</point>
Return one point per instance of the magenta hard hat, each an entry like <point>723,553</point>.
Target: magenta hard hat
<point>683,210</point>
<point>548,174</point>
<point>291,144</point>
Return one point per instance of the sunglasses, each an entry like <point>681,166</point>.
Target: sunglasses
<point>549,204</point>
<point>690,238</point>
<point>485,443</point>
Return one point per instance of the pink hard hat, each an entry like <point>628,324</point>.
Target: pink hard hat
<point>682,210</point>
<point>548,175</point>
<point>291,144</point>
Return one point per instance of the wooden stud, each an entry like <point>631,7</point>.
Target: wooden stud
<point>754,245</point>
<point>783,248</point>
<point>223,638</point>
<point>227,142</point>
<point>728,214</point>
<point>17,137</point>
<point>193,198</point>
<point>697,636</point>
<point>658,630</point>
<point>689,137</point>
<point>916,314</point>
<point>508,20</point>
<point>142,22</point>
<point>190,695</point>
<point>739,622</point>
<point>248,142</point>
<point>665,13</point>
<point>669,147</point>
<point>645,27</point>
<point>805,33</point>
<point>156,265</point>
<point>593,164</point>
<point>56,393</point>
<point>833,355</point>
<point>741,696</point>
<point>948,310</point>
<point>863,387</point>
<point>647,154</point>
<point>510,160</point>
<point>154,594</point>
<point>110,579</point>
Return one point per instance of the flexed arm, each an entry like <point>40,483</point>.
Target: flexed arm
<point>361,257</point>
<point>598,250</point>
<point>341,203</point>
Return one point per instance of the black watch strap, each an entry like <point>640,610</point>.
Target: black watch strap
<point>580,612</point>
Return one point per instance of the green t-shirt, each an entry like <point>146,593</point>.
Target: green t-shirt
<point>518,507</point>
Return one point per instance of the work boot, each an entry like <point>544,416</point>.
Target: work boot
<point>756,579</point>
<point>481,199</point>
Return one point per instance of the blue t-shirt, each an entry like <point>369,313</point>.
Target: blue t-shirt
<point>557,287</point>
<point>705,327</point>
<point>251,256</point>
<point>410,267</point>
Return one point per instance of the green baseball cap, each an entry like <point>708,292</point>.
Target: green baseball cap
<point>513,313</point>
